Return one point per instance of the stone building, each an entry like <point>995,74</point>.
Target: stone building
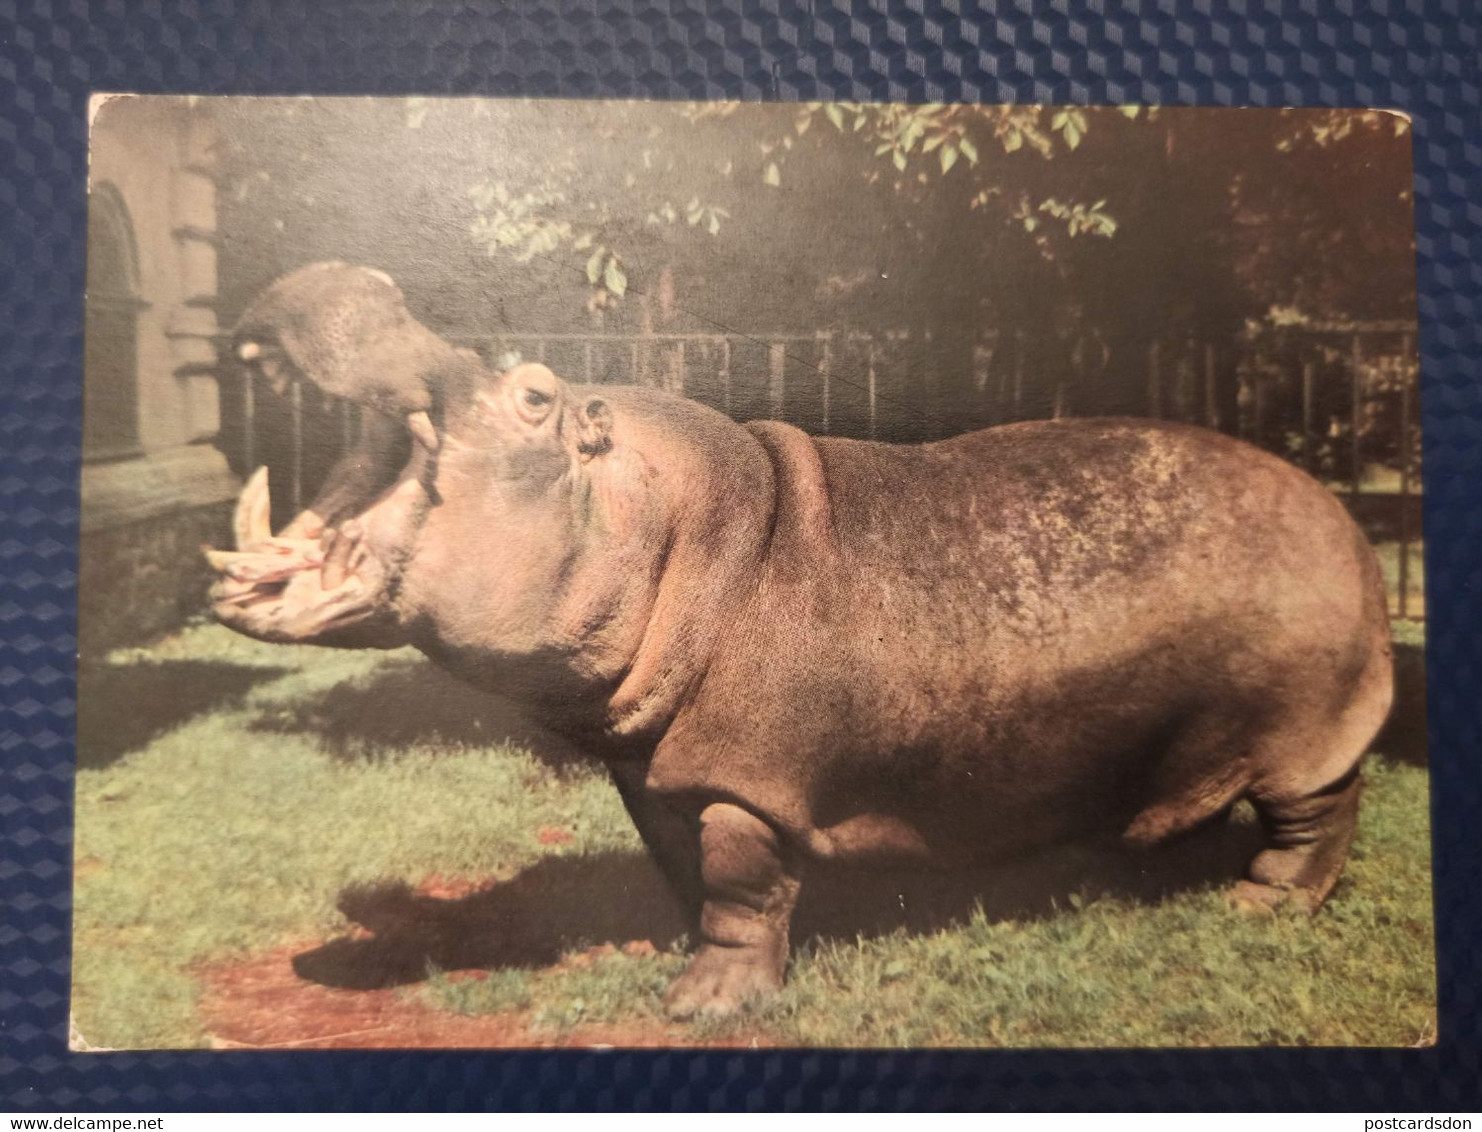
<point>154,486</point>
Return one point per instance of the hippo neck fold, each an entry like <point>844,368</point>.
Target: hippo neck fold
<point>712,488</point>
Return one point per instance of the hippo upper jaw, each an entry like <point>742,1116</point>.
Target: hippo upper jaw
<point>338,590</point>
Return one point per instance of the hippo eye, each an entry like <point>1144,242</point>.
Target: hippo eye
<point>533,405</point>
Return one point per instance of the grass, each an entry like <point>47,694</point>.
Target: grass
<point>1186,971</point>
<point>1389,563</point>
<point>223,819</point>
<point>1377,478</point>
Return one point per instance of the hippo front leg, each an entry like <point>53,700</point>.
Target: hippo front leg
<point>749,890</point>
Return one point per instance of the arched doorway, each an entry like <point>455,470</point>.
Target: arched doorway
<point>110,401</point>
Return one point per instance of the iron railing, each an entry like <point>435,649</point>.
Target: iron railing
<point>1338,399</point>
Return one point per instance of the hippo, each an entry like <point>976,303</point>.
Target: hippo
<point>790,649</point>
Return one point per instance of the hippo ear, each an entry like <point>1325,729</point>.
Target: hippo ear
<point>594,428</point>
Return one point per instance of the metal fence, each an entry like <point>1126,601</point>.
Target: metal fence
<point>1337,399</point>
<point>833,383</point>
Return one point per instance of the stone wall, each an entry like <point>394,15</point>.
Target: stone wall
<point>138,581</point>
<point>144,517</point>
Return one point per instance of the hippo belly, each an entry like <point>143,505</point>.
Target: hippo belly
<point>1036,633</point>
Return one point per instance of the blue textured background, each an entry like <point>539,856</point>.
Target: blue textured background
<point>1423,58</point>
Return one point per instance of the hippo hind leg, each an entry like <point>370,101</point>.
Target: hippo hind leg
<point>1302,778</point>
<point>1307,843</point>
<point>1309,829</point>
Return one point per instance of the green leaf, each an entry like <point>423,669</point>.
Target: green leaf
<point>932,142</point>
<point>949,158</point>
<point>582,242</point>
<point>859,122</point>
<point>969,151</point>
<point>835,115</point>
<point>714,224</point>
<point>1012,141</point>
<point>1072,135</point>
<point>1129,111</point>
<point>614,279</point>
<point>1058,121</point>
<point>594,266</point>
<point>898,158</point>
<point>883,148</point>
<point>773,175</point>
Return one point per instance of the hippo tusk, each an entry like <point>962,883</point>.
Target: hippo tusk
<point>421,425</point>
<point>251,524</point>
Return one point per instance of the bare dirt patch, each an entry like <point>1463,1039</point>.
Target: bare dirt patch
<point>261,1003</point>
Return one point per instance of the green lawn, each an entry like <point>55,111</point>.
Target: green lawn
<point>1389,563</point>
<point>229,792</point>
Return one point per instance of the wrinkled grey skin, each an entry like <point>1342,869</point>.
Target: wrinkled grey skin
<point>789,648</point>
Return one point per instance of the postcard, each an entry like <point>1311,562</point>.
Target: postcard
<point>592,573</point>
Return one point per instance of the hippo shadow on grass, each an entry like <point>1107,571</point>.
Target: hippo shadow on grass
<point>123,707</point>
<point>563,904</point>
<point>410,703</point>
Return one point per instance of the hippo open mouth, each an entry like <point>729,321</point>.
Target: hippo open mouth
<point>335,587</point>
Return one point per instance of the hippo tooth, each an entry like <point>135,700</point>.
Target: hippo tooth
<point>245,566</point>
<point>251,523</point>
<point>420,424</point>
<point>339,555</point>
<point>336,559</point>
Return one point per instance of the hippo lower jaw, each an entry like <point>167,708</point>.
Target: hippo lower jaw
<point>330,591</point>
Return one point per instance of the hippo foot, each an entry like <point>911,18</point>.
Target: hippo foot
<point>1266,899</point>
<point>721,980</point>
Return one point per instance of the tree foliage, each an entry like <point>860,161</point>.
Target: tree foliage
<point>692,161</point>
<point>1129,221</point>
